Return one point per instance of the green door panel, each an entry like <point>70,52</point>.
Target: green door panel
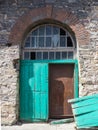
<point>37,76</point>
<point>44,108</point>
<point>44,78</point>
<point>37,107</point>
<point>33,91</point>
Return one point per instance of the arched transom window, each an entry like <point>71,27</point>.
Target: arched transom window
<point>47,42</point>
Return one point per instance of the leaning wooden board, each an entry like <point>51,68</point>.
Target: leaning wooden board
<point>85,111</point>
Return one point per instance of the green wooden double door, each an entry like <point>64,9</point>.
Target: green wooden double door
<point>34,91</point>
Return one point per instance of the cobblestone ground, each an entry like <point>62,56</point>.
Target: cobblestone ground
<point>35,126</point>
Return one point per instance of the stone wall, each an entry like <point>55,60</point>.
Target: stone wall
<point>88,56</point>
<point>10,11</point>
<point>9,84</point>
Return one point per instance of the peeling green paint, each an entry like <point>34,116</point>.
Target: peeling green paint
<point>33,73</point>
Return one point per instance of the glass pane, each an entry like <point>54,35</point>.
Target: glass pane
<point>55,30</point>
<point>70,55</point>
<point>34,42</point>
<point>62,32</point>
<point>26,55</point>
<point>48,41</point>
<point>45,55</point>
<point>51,55</point>
<point>57,55</point>
<point>69,42</point>
<point>35,32</point>
<point>55,40</point>
<point>48,30</point>
<point>32,55</point>
<point>41,41</point>
<point>62,41</point>
<point>42,31</point>
<point>27,42</point>
<point>64,55</point>
<point>38,55</point>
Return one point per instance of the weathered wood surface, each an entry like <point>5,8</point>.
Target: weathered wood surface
<point>34,91</point>
<point>62,121</point>
<point>61,88</point>
<point>85,111</point>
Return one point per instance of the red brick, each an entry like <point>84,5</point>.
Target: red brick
<point>28,20</point>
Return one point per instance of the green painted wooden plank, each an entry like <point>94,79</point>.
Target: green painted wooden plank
<point>26,110</point>
<point>76,81</point>
<point>44,77</point>
<point>88,125</point>
<point>44,106</point>
<point>32,83</point>
<point>49,61</point>
<point>82,98</point>
<point>23,76</point>
<point>86,102</point>
<point>37,75</point>
<point>62,121</point>
<point>24,86</point>
<point>85,109</point>
<point>31,77</point>
<point>26,77</point>
<point>37,107</point>
<point>22,110</point>
<point>44,91</point>
<point>31,105</point>
<point>26,106</point>
<point>21,94</point>
<point>41,100</point>
<point>86,115</point>
<point>87,120</point>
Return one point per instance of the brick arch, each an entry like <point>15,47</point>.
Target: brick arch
<point>48,12</point>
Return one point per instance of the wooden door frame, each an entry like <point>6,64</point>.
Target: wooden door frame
<point>76,78</point>
<point>76,73</point>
